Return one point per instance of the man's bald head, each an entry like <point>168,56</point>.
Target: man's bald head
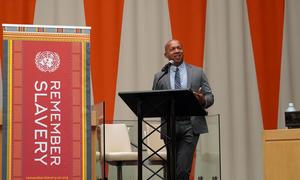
<point>174,51</point>
<point>169,42</point>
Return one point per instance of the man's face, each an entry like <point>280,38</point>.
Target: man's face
<point>174,51</point>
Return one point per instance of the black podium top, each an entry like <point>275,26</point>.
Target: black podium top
<point>157,103</point>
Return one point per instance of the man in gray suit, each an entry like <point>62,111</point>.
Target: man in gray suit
<point>180,75</point>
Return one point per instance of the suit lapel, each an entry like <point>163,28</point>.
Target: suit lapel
<point>189,75</point>
<point>167,79</point>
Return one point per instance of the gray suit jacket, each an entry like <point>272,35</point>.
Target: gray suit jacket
<point>195,79</point>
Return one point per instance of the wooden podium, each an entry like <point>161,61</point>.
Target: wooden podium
<point>282,154</point>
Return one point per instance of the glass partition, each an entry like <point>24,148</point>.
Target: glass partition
<point>207,165</point>
<point>208,159</point>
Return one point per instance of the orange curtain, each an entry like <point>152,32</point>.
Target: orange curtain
<point>16,12</point>
<point>188,26</point>
<point>266,24</point>
<point>105,18</point>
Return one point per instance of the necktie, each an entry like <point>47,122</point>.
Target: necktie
<point>177,79</point>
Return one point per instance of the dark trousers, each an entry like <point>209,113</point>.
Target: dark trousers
<point>186,142</point>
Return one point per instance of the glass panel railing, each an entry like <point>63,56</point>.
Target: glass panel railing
<point>207,159</point>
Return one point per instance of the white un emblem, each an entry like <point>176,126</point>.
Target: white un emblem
<point>47,61</point>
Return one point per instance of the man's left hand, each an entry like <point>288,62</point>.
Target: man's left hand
<point>200,96</point>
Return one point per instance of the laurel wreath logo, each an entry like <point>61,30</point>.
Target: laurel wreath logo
<point>47,61</point>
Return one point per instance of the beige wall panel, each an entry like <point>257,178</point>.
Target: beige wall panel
<point>59,12</point>
<point>145,30</point>
<point>290,73</point>
<point>230,68</point>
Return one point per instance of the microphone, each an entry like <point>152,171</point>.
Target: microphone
<point>166,67</point>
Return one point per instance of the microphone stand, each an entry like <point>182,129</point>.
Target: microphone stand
<point>165,71</point>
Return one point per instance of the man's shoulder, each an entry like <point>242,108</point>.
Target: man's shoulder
<point>197,68</point>
<point>157,74</point>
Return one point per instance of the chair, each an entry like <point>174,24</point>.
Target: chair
<point>118,150</point>
<point>156,143</point>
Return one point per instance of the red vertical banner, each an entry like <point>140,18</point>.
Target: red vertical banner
<point>46,113</point>
<point>105,18</point>
<point>188,26</point>
<point>48,110</point>
<point>266,25</point>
